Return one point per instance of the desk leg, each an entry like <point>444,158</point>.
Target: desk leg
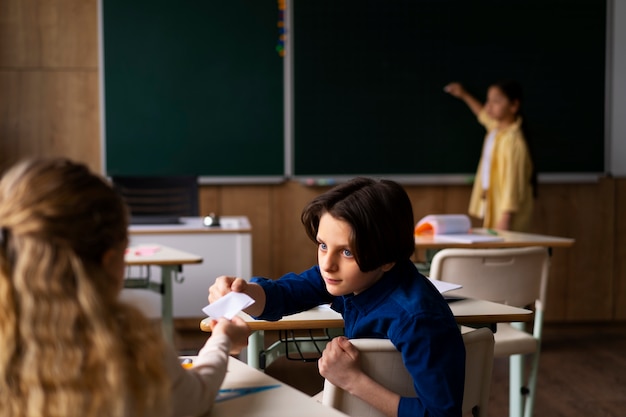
<point>167,278</point>
<point>256,344</point>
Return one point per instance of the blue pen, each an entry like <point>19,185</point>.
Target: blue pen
<point>230,393</point>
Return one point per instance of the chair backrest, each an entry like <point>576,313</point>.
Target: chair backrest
<point>383,363</point>
<point>479,345</point>
<point>513,276</point>
<point>173,196</point>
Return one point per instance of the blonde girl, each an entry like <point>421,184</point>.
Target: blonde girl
<point>68,347</point>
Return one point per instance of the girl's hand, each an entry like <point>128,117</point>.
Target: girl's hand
<point>455,90</point>
<point>236,330</point>
<point>340,363</point>
<point>223,285</point>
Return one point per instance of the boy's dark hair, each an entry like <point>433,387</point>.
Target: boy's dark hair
<point>380,214</point>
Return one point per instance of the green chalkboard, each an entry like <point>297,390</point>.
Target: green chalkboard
<point>369,78</point>
<point>192,87</point>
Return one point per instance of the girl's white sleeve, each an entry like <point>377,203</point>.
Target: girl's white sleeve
<point>194,390</point>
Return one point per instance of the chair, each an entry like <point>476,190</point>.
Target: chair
<point>382,362</point>
<point>513,276</point>
<point>156,199</point>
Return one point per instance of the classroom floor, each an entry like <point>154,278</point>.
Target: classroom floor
<point>582,371</point>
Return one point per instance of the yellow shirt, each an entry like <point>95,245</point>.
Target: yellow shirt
<point>510,189</point>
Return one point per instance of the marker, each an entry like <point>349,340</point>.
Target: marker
<point>492,232</point>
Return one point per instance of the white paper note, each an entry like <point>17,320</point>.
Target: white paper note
<point>228,306</point>
<point>444,286</point>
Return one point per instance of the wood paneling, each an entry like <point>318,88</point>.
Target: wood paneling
<point>50,113</point>
<point>49,80</point>
<point>591,220</point>
<point>619,256</point>
<point>49,34</point>
<point>292,250</point>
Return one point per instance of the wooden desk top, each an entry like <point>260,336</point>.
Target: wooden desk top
<point>280,400</point>
<point>511,240</point>
<point>466,311</point>
<point>155,254</point>
<point>472,311</point>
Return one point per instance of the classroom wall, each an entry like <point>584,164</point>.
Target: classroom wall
<point>50,106</point>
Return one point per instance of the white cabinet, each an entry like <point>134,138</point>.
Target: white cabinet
<point>226,250</point>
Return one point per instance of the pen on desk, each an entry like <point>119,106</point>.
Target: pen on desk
<point>248,390</point>
<point>492,232</point>
<point>230,393</point>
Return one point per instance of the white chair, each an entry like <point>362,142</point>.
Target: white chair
<point>383,363</point>
<point>513,276</point>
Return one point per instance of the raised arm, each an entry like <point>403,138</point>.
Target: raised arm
<point>457,90</point>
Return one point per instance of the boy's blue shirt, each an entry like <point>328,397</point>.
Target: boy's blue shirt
<point>404,307</point>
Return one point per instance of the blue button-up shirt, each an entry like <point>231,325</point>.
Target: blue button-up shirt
<point>403,307</point>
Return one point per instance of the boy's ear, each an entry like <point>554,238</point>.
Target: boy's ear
<point>387,267</point>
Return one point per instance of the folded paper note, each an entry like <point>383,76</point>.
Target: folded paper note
<point>444,286</point>
<point>228,306</point>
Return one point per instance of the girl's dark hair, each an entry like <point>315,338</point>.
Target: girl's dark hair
<point>380,214</point>
<point>513,91</point>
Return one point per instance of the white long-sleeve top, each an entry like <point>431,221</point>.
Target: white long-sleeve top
<point>194,390</point>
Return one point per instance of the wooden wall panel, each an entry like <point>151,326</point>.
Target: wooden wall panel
<point>292,250</point>
<point>49,75</point>
<point>9,118</point>
<point>581,276</point>
<point>619,271</point>
<point>52,113</point>
<point>592,223</point>
<point>49,34</point>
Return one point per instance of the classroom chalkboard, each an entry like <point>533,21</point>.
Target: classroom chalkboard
<point>192,87</point>
<point>369,77</point>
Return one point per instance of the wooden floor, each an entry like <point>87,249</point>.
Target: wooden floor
<point>582,372</point>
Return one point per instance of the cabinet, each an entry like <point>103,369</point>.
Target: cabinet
<point>225,250</point>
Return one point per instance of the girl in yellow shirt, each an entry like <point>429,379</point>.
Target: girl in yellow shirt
<point>505,183</point>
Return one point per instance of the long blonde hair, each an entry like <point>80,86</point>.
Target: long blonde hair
<point>68,347</point>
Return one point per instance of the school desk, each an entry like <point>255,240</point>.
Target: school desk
<point>466,311</point>
<point>226,250</point>
<point>247,392</point>
<point>170,261</point>
<point>509,240</point>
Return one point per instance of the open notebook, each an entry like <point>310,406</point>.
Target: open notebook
<point>456,228</point>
